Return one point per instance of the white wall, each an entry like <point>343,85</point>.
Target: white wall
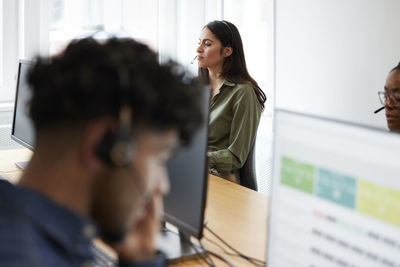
<point>180,24</point>
<point>332,56</point>
<point>9,53</point>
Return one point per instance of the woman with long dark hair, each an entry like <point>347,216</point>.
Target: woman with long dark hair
<point>237,100</point>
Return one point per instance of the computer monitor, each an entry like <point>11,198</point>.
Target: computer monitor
<point>184,205</point>
<point>335,197</point>
<point>22,129</point>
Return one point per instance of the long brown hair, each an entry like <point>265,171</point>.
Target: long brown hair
<point>234,68</point>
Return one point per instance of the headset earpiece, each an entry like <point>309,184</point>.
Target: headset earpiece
<point>230,44</point>
<point>117,148</point>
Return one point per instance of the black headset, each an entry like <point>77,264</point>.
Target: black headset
<point>117,148</point>
<point>230,44</point>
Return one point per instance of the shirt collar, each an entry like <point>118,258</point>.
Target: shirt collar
<point>227,83</point>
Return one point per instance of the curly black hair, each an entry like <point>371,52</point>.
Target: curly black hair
<point>92,79</point>
<point>396,68</point>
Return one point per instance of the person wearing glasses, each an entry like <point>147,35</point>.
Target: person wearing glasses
<point>237,100</point>
<point>390,98</point>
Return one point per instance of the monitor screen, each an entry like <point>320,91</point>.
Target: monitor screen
<point>22,128</point>
<point>336,194</point>
<point>184,205</point>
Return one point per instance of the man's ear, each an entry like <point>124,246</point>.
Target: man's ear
<point>227,51</point>
<point>91,137</point>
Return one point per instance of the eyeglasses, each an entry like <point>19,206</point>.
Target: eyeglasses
<point>394,97</point>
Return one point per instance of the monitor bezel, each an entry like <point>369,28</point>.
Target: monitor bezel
<point>181,225</point>
<point>187,228</point>
<point>13,136</point>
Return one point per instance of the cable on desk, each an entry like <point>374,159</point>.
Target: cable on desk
<point>252,260</point>
<point>206,252</point>
<point>230,253</point>
<point>221,258</point>
<point>207,259</point>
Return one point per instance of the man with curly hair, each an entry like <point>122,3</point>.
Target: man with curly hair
<point>107,117</point>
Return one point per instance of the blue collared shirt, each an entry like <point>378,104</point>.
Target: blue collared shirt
<point>35,231</point>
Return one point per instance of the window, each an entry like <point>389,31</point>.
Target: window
<point>181,26</point>
<point>251,18</point>
<point>8,49</point>
<point>1,44</point>
<point>254,21</point>
<point>73,18</point>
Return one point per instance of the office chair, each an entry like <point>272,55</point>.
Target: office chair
<point>248,172</point>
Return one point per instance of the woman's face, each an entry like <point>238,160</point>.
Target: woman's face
<point>209,52</point>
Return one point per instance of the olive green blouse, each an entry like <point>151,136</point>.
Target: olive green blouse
<point>234,117</point>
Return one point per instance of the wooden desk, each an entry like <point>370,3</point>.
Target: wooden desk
<point>7,162</point>
<point>237,214</point>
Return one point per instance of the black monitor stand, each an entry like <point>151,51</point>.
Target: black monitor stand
<point>177,246</point>
<point>22,164</point>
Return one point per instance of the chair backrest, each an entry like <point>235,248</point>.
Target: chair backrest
<point>247,173</point>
